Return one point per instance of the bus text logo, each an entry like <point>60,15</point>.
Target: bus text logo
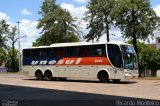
<point>60,62</point>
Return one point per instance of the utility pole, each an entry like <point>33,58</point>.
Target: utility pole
<point>19,44</point>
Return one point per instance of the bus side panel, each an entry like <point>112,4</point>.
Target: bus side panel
<point>119,74</point>
<point>30,70</point>
<point>71,71</point>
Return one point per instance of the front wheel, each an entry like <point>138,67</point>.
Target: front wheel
<point>103,77</point>
<point>48,75</point>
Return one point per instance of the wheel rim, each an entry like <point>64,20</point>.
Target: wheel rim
<point>39,76</point>
<point>103,77</point>
<point>48,75</point>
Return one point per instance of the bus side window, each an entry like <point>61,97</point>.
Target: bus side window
<point>58,52</point>
<point>71,51</point>
<point>61,51</point>
<point>99,50</point>
<point>43,53</point>
<point>84,51</point>
<point>35,53</point>
<point>47,52</point>
<point>26,53</point>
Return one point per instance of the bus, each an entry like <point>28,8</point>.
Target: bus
<point>103,61</point>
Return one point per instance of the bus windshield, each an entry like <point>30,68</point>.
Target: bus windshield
<point>129,56</point>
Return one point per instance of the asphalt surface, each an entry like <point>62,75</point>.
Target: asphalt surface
<point>21,90</point>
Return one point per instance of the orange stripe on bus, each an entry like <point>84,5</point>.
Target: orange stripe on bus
<point>84,61</point>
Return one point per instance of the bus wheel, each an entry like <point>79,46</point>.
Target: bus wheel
<point>39,75</point>
<point>116,80</point>
<point>103,76</point>
<point>48,75</point>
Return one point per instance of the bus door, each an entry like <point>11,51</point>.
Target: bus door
<point>115,58</point>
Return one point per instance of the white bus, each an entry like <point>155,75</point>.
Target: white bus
<point>104,61</point>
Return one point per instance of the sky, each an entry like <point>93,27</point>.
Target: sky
<point>26,12</point>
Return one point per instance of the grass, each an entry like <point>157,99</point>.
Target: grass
<point>18,73</point>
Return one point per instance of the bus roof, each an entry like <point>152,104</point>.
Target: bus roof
<point>77,44</point>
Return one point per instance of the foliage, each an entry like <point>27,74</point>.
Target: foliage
<point>99,18</point>
<point>12,38</point>
<point>136,19</point>
<point>6,58</point>
<point>3,29</point>
<point>149,58</point>
<point>57,25</point>
<point>9,62</point>
<point>8,54</point>
<point>2,56</point>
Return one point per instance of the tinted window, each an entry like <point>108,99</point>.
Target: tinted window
<point>58,51</point>
<point>84,51</point>
<point>71,51</point>
<point>26,53</point>
<point>127,49</point>
<point>35,53</point>
<point>114,55</point>
<point>99,50</point>
<point>46,52</point>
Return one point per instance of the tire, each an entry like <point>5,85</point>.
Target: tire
<point>103,76</point>
<point>48,75</point>
<point>39,75</point>
<point>116,80</point>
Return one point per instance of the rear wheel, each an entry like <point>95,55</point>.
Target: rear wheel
<point>103,76</point>
<point>39,75</point>
<point>48,75</point>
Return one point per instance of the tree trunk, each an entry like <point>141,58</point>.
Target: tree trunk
<point>65,32</point>
<point>107,31</point>
<point>134,36</point>
<point>92,40</point>
<point>13,60</point>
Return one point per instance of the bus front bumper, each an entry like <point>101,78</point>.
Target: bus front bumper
<point>131,73</point>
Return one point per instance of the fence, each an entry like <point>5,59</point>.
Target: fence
<point>3,69</point>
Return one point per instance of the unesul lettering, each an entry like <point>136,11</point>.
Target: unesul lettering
<point>60,62</point>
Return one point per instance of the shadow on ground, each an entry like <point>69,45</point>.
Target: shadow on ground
<point>88,81</point>
<point>28,96</point>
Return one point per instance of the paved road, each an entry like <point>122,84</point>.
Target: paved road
<point>26,90</point>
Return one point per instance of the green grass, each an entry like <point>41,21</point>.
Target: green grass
<point>13,72</point>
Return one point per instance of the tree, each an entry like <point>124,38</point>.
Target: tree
<point>2,56</point>
<point>98,15</point>
<point>149,58</point>
<point>3,29</point>
<point>57,25</point>
<point>8,59</point>
<point>136,19</point>
<point>12,38</point>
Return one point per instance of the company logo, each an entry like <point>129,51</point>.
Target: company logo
<point>60,62</point>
